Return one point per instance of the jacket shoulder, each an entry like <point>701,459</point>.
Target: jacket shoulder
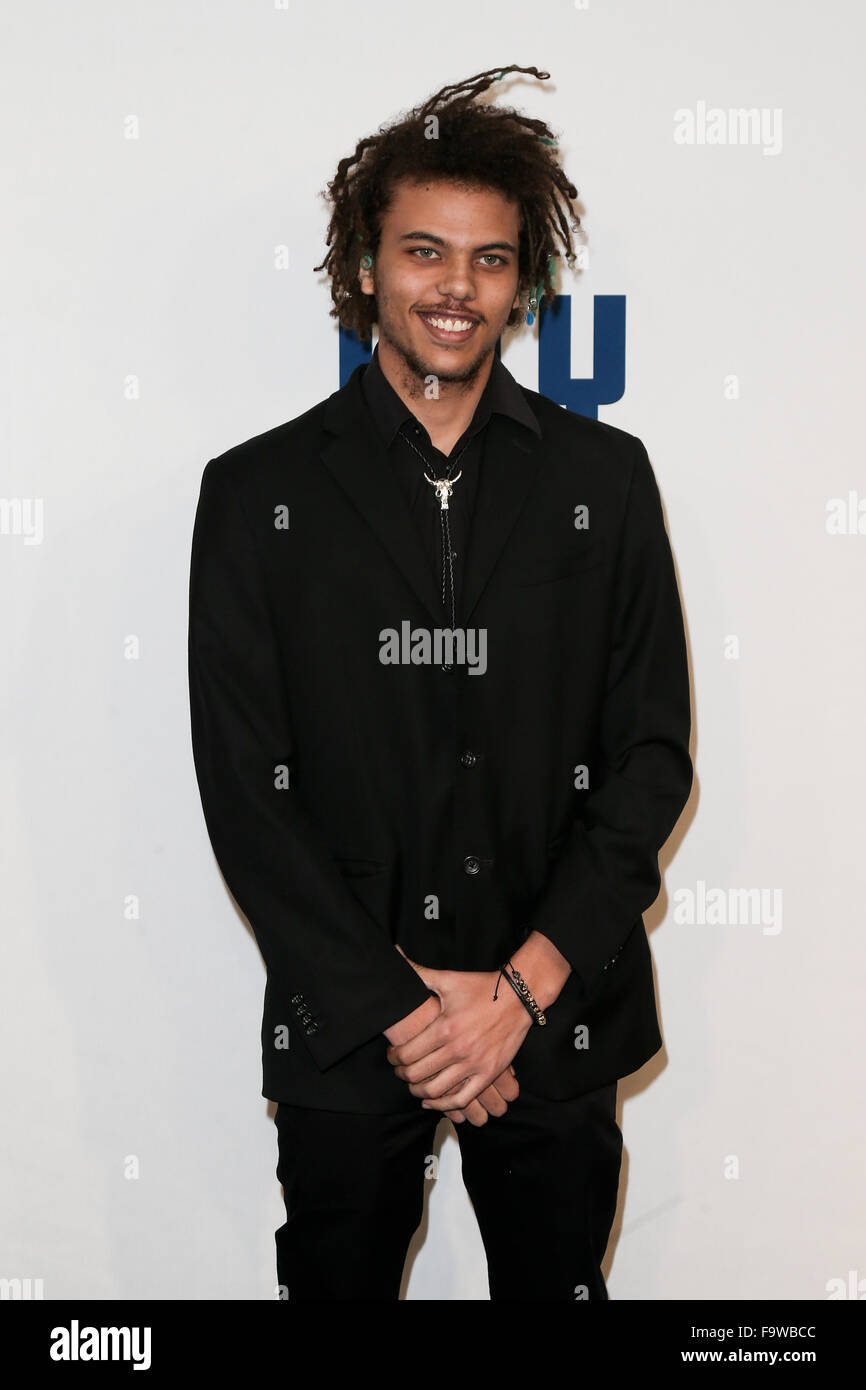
<point>278,446</point>
<point>582,428</point>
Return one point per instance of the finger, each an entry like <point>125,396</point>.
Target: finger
<point>507,1086</point>
<point>400,1055</point>
<point>492,1101</point>
<point>435,1092</point>
<point>475,1113</point>
<point>416,1073</point>
<point>460,1092</point>
<point>430,1039</point>
<point>408,959</point>
<point>431,1064</point>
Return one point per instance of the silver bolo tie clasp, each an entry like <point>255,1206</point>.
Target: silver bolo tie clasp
<point>443,487</point>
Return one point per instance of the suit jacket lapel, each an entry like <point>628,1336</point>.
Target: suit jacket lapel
<point>352,454</point>
<point>508,471</point>
<point>356,460</point>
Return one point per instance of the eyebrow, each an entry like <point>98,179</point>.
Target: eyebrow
<point>440,241</point>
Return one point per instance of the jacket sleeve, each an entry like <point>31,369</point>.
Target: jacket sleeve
<point>606,873</point>
<point>313,933</point>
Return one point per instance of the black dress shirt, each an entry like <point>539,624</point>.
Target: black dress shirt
<point>395,421</point>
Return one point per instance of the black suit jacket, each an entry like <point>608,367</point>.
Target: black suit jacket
<point>352,804</point>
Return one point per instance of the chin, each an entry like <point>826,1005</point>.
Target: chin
<point>452,363</point>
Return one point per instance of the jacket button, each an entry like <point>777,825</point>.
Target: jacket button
<point>471,864</point>
<point>468,759</point>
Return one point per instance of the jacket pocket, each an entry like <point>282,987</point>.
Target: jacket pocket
<point>359,868</point>
<point>593,556</point>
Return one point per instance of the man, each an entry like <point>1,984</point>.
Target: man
<point>440,718</point>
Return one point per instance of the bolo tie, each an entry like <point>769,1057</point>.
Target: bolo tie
<point>443,487</point>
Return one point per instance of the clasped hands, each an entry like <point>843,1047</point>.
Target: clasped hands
<point>456,1049</point>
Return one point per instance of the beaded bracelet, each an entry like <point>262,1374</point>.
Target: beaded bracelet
<point>521,989</point>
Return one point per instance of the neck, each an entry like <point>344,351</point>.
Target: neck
<point>444,418</point>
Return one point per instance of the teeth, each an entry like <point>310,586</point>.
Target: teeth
<point>450,325</point>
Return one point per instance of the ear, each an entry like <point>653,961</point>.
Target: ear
<point>366,280</point>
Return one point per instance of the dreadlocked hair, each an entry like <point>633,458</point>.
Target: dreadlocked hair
<point>474,144</point>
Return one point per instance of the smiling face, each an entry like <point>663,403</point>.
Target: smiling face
<point>445,277</point>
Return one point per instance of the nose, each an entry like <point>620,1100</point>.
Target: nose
<point>456,285</point>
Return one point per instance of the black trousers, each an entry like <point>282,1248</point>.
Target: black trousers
<point>542,1179</point>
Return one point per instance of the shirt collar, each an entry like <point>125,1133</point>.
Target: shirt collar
<point>501,395</point>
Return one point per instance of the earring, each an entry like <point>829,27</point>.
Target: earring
<point>367,261</point>
<point>532,306</point>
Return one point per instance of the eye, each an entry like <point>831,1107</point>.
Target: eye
<point>421,249</point>
<point>492,255</point>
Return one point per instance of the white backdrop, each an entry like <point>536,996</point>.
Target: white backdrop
<point>157,156</point>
